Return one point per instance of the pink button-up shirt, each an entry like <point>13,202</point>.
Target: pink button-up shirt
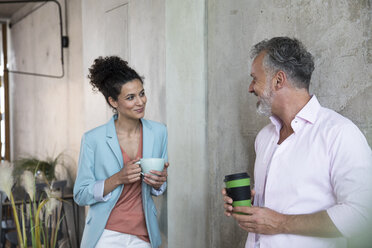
<point>326,164</point>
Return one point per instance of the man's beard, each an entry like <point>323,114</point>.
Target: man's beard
<point>264,102</point>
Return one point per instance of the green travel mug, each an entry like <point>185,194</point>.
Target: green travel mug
<point>238,187</point>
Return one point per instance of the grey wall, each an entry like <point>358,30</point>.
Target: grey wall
<point>186,118</point>
<point>45,112</point>
<point>232,122</point>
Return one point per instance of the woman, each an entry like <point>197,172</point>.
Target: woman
<point>122,212</point>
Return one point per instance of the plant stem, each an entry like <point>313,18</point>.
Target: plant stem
<point>23,226</point>
<point>16,220</point>
<point>32,228</point>
<point>37,223</point>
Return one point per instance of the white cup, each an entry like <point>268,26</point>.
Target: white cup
<point>148,164</point>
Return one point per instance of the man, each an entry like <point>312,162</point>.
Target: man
<point>313,166</point>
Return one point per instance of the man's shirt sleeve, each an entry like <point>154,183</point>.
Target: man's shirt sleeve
<point>351,177</point>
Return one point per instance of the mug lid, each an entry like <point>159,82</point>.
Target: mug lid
<point>236,176</point>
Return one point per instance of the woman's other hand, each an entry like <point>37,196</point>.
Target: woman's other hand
<point>156,178</point>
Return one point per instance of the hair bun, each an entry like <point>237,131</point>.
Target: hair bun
<point>108,74</point>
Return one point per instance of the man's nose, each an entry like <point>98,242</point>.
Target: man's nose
<point>250,88</point>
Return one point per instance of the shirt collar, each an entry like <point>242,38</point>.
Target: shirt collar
<point>308,114</point>
<point>310,111</point>
<point>277,123</point>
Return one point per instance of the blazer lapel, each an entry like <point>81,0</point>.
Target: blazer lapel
<point>148,143</point>
<point>147,140</point>
<point>112,140</point>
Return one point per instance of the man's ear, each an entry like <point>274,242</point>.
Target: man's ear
<point>112,102</point>
<point>281,80</point>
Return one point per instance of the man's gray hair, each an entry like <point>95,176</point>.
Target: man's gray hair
<point>288,55</point>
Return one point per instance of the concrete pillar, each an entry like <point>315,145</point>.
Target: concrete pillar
<point>186,86</point>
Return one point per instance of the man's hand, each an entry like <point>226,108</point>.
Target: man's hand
<point>157,180</point>
<point>267,221</point>
<point>260,220</point>
<point>228,201</point>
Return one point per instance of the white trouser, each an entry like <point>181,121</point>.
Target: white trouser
<point>112,239</point>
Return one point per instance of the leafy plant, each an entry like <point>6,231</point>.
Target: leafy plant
<point>46,166</point>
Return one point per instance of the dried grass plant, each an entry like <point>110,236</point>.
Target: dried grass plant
<point>38,226</point>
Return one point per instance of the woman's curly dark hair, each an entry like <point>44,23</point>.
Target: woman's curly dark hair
<point>108,74</point>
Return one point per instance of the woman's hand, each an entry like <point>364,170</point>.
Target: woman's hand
<point>157,180</point>
<point>130,173</point>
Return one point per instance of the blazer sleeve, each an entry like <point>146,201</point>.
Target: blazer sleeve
<point>164,155</point>
<point>84,186</point>
<point>165,145</point>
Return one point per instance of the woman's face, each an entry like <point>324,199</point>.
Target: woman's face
<point>131,101</point>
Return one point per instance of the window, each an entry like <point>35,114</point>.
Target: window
<point>4,98</point>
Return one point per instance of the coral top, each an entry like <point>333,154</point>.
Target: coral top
<point>127,216</point>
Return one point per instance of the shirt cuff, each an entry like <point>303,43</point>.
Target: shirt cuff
<point>157,192</point>
<point>98,191</point>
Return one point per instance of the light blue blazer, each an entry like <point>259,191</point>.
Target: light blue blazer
<point>100,158</point>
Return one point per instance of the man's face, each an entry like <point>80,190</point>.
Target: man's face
<point>261,86</point>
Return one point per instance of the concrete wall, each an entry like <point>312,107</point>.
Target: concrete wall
<point>46,112</point>
<point>186,119</point>
<point>232,122</point>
